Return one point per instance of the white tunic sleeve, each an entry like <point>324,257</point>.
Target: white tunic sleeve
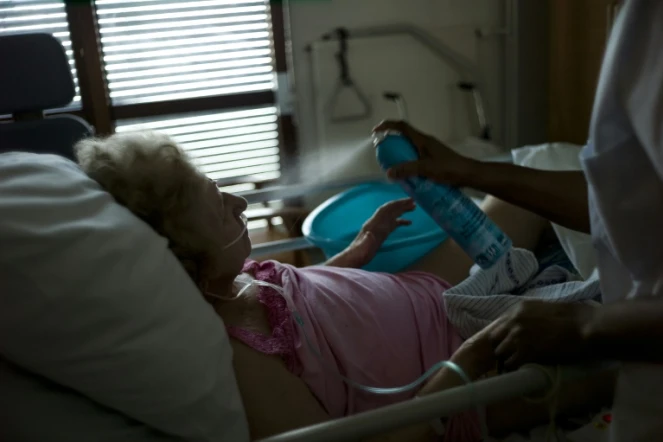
<point>640,76</point>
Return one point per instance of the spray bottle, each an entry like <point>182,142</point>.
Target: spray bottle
<point>452,210</point>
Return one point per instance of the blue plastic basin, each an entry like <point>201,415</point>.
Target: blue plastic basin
<point>335,223</point>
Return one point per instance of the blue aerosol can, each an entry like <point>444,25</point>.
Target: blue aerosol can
<point>451,209</point>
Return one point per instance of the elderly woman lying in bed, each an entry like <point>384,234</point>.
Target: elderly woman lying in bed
<point>377,329</point>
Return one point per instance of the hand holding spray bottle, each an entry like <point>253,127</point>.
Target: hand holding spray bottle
<point>452,210</point>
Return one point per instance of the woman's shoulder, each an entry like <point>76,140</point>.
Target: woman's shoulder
<point>263,270</point>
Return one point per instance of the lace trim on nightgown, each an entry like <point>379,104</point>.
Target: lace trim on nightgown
<point>282,340</point>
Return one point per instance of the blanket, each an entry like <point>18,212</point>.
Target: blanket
<point>486,294</point>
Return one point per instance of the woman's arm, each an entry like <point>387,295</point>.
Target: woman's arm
<point>373,234</point>
<point>348,258</point>
<point>475,357</point>
<point>274,399</point>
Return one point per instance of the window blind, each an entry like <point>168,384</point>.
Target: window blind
<point>224,145</point>
<point>156,50</point>
<point>49,16</point>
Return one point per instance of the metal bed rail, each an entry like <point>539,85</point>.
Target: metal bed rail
<point>301,190</point>
<point>528,380</point>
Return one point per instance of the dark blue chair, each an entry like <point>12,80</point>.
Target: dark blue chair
<point>35,76</point>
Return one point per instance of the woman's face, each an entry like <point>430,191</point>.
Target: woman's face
<point>228,228</point>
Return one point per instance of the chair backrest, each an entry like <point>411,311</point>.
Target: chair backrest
<point>35,76</point>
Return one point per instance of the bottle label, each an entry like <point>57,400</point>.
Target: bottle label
<point>463,220</point>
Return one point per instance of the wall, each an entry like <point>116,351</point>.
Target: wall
<point>527,72</point>
<point>398,63</point>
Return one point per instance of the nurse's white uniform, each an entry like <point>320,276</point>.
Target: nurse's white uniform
<point>624,166</point>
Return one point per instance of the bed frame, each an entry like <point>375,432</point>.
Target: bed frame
<point>530,380</point>
<point>525,381</point>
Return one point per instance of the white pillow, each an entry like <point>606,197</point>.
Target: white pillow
<point>33,409</point>
<point>562,156</point>
<point>92,299</point>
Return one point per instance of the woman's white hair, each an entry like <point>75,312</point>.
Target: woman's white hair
<point>153,177</point>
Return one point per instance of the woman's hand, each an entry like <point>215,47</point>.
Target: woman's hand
<point>542,332</point>
<point>436,161</point>
<point>373,234</point>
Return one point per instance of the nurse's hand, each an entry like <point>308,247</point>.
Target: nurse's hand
<point>542,332</point>
<point>436,162</point>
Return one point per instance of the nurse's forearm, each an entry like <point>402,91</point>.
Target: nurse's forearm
<point>560,197</point>
<point>627,331</point>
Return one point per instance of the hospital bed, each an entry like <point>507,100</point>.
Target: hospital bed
<point>527,381</point>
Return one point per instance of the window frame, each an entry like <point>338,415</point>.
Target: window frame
<point>98,110</point>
